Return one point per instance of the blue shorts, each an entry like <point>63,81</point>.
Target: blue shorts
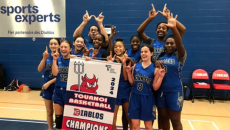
<point>142,107</point>
<point>47,93</point>
<point>123,96</point>
<point>59,96</point>
<point>170,100</point>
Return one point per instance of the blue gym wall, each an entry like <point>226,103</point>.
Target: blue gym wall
<point>206,39</point>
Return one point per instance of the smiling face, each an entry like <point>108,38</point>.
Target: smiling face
<point>146,54</point>
<point>65,49</point>
<point>98,41</point>
<point>170,45</point>
<point>53,45</point>
<point>135,43</point>
<point>92,32</point>
<point>119,48</point>
<point>79,43</point>
<point>161,30</point>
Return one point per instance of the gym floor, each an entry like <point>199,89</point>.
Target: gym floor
<point>26,111</point>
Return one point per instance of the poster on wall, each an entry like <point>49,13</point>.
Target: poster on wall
<point>33,18</point>
<point>90,94</point>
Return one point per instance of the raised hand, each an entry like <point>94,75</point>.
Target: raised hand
<point>86,17</point>
<point>95,52</point>
<point>153,13</point>
<point>110,58</point>
<point>171,21</point>
<point>100,18</point>
<point>161,72</point>
<point>113,33</point>
<point>56,55</point>
<point>158,63</point>
<point>46,54</point>
<point>129,68</point>
<point>63,39</point>
<point>123,59</point>
<point>166,12</point>
<point>126,55</point>
<point>86,51</point>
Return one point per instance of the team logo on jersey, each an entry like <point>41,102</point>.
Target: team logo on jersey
<point>88,85</point>
<point>139,86</point>
<point>180,101</point>
<point>154,110</point>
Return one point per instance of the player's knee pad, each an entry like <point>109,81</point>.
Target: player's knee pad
<point>58,121</point>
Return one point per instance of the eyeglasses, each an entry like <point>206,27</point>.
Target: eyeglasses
<point>93,30</point>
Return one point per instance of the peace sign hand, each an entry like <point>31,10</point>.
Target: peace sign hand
<point>166,12</point>
<point>46,54</point>
<point>129,68</point>
<point>56,55</point>
<point>113,33</point>
<point>86,51</point>
<point>171,21</point>
<point>153,13</point>
<point>100,18</point>
<point>86,17</point>
<point>123,59</point>
<point>110,58</point>
<point>161,72</point>
<point>95,52</point>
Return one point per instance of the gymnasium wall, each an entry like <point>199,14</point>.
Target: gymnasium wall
<point>206,39</point>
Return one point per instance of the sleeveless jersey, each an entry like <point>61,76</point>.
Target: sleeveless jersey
<point>63,67</point>
<point>173,66</point>
<point>143,79</point>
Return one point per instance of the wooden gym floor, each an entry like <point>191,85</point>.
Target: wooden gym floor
<point>200,115</point>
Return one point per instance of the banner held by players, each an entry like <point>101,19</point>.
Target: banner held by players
<point>91,94</point>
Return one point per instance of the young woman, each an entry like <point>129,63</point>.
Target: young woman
<point>60,69</point>
<point>143,77</point>
<point>135,52</point>
<point>49,80</point>
<point>97,51</point>
<point>161,30</point>
<point>78,43</point>
<point>124,87</point>
<point>169,97</point>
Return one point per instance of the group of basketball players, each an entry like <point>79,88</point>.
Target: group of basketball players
<point>150,74</point>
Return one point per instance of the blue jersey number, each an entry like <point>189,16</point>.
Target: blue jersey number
<point>64,77</point>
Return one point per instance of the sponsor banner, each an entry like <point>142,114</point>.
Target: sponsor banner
<point>91,94</point>
<point>33,18</point>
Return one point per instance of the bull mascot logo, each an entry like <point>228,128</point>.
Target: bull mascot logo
<point>87,85</point>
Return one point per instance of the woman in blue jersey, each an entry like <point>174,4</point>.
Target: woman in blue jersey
<point>60,69</point>
<point>169,97</point>
<point>124,87</point>
<point>161,30</point>
<point>96,52</point>
<point>135,52</point>
<point>49,80</point>
<point>143,77</point>
<point>79,44</point>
